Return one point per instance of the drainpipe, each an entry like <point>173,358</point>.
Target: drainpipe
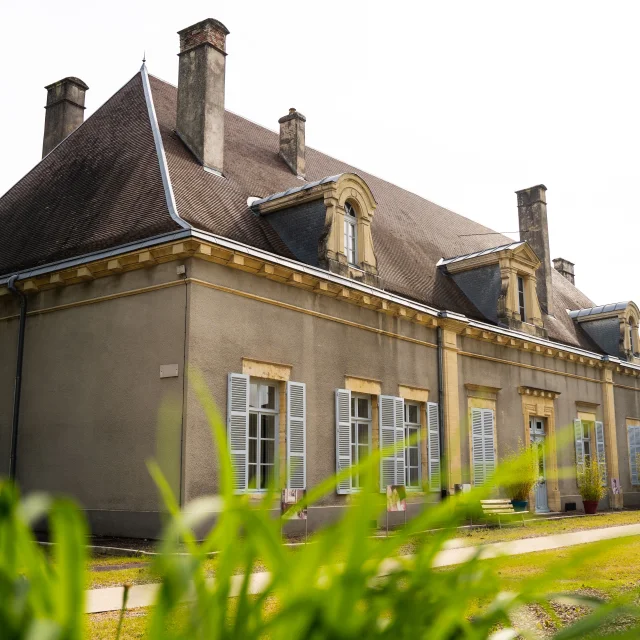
<point>441,414</point>
<point>11,284</point>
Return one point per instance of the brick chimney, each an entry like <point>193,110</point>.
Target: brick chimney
<point>565,268</point>
<point>200,120</point>
<point>64,111</point>
<point>292,141</point>
<point>532,216</point>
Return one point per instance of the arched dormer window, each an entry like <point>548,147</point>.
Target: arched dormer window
<point>633,336</point>
<point>350,234</point>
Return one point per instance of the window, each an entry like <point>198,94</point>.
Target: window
<point>521,305</point>
<point>263,427</point>
<point>587,427</point>
<point>412,438</point>
<point>360,439</point>
<point>350,236</point>
<point>633,337</point>
<point>633,432</point>
<point>589,439</point>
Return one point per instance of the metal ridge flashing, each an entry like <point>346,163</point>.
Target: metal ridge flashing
<point>162,158</point>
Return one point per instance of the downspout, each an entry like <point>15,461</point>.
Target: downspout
<point>441,415</point>
<point>11,284</point>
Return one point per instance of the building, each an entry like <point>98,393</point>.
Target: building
<point>327,310</point>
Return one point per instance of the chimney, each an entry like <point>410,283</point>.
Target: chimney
<point>292,141</point>
<point>64,111</point>
<point>565,268</point>
<point>200,121</point>
<point>532,217</point>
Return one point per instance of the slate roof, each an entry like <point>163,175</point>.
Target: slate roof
<point>102,187</point>
<point>596,311</point>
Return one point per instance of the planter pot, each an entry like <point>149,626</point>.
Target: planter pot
<point>590,506</point>
<point>519,505</point>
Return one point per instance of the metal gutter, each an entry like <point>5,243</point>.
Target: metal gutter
<point>99,255</point>
<point>444,475</point>
<point>17,389</point>
<point>162,158</point>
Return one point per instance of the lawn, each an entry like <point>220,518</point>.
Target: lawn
<point>124,571</point>
<point>606,569</point>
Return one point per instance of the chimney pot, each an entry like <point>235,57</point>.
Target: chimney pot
<point>532,218</point>
<point>64,111</point>
<point>565,268</point>
<point>292,143</point>
<point>201,75</point>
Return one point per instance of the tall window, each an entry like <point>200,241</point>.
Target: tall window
<point>633,337</point>
<point>521,307</point>
<point>350,237</point>
<point>263,421</point>
<point>360,432</point>
<point>412,438</point>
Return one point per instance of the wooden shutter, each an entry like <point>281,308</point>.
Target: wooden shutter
<point>343,436</point>
<point>401,446</point>
<point>579,438</point>
<point>483,445</point>
<point>296,435</point>
<point>477,441</point>
<point>600,452</point>
<point>238,427</point>
<point>633,433</point>
<point>433,429</point>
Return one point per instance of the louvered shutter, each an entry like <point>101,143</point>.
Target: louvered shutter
<point>600,452</point>
<point>489,444</point>
<point>387,430</point>
<point>477,441</point>
<point>401,447</point>
<point>579,438</point>
<point>296,435</point>
<point>434,446</point>
<point>633,433</point>
<point>343,437</point>
<point>238,427</point>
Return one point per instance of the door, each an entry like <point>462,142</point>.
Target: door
<point>536,427</point>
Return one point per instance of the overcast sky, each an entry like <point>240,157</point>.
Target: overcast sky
<point>461,102</point>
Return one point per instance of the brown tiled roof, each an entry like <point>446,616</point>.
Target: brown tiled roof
<point>102,187</point>
<point>99,188</point>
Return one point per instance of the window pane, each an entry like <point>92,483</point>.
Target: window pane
<point>267,450</point>
<point>413,456</point>
<point>253,448</point>
<point>363,407</point>
<point>252,476</point>
<point>353,407</point>
<point>413,413</point>
<point>253,395</point>
<point>268,426</point>
<point>267,396</point>
<point>266,475</point>
<point>363,452</point>
<point>253,425</point>
<point>363,434</point>
<point>413,477</point>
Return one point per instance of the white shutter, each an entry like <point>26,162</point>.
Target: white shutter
<point>633,433</point>
<point>387,431</point>
<point>401,446</point>
<point>600,452</point>
<point>579,435</point>
<point>489,444</point>
<point>296,435</point>
<point>434,446</point>
<point>482,445</point>
<point>343,437</point>
<point>238,427</point>
<point>477,455</point>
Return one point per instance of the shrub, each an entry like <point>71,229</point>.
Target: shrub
<point>523,475</point>
<point>590,482</point>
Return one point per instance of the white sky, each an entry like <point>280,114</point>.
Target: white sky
<point>462,102</point>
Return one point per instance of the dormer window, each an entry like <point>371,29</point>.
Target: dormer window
<point>521,299</point>
<point>633,336</point>
<point>350,234</point>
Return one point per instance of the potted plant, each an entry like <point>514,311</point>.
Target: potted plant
<point>523,477</point>
<point>590,485</point>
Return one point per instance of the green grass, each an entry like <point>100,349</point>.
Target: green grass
<point>543,527</point>
<point>610,569</point>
